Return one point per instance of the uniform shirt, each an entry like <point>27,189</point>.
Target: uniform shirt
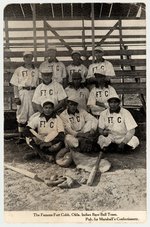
<point>104,65</point>
<point>119,123</point>
<point>59,70</point>
<point>101,95</point>
<point>53,91</point>
<point>24,77</point>
<point>77,68</point>
<point>46,127</point>
<point>74,123</point>
<point>82,93</point>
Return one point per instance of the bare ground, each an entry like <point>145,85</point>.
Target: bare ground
<point>122,188</point>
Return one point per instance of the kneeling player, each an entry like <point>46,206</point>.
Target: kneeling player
<point>45,133</point>
<point>117,128</point>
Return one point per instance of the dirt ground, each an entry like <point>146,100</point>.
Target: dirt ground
<point>123,187</point>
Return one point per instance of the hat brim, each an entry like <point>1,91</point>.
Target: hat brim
<point>113,98</point>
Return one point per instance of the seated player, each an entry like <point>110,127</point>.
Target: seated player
<point>99,94</point>
<point>117,128</point>
<point>80,126</point>
<point>78,89</point>
<point>45,133</point>
<point>49,89</point>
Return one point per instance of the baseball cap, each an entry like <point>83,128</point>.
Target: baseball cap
<point>46,70</point>
<point>51,47</point>
<point>27,53</point>
<point>76,75</point>
<point>75,52</point>
<point>100,71</point>
<point>47,101</point>
<point>98,48</point>
<point>74,99</point>
<point>113,97</point>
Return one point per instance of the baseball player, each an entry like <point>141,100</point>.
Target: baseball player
<point>101,64</point>
<point>117,128</point>
<point>48,89</point>
<point>59,70</point>
<point>76,66</point>
<point>25,79</point>
<point>78,89</point>
<point>97,101</point>
<point>79,124</point>
<point>45,131</point>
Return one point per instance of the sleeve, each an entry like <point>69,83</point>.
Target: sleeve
<point>112,91</point>
<point>110,69</point>
<point>61,92</point>
<point>67,125</point>
<point>64,73</point>
<point>85,71</point>
<point>60,125</point>
<point>33,122</point>
<point>90,73</point>
<point>91,100</point>
<point>36,96</point>
<point>129,120</point>
<point>14,80</point>
<point>101,121</point>
<point>90,119</point>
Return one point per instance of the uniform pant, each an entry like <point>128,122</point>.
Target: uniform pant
<point>106,141</point>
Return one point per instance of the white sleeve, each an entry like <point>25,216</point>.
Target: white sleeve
<point>110,69</point>
<point>129,120</point>
<point>112,91</point>
<point>90,73</point>
<point>64,73</point>
<point>15,78</point>
<point>61,92</point>
<point>67,124</point>
<point>101,121</point>
<point>92,99</point>
<point>36,96</point>
<point>33,121</point>
<point>60,125</point>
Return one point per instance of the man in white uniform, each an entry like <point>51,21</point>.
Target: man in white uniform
<point>49,89</point>
<point>45,133</point>
<point>117,128</point>
<point>59,70</point>
<point>101,64</point>
<point>76,66</point>
<point>77,88</point>
<point>80,126</point>
<point>25,79</point>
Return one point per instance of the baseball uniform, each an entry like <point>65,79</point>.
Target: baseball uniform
<point>26,80</point>
<point>82,93</point>
<point>76,68</point>
<point>81,121</point>
<point>59,70</point>
<point>104,65</point>
<point>54,91</point>
<point>46,129</point>
<point>118,124</point>
<point>101,95</point>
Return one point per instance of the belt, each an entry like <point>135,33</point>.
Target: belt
<point>28,88</point>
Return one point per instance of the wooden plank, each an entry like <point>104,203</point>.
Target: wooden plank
<point>34,33</point>
<point>93,32</point>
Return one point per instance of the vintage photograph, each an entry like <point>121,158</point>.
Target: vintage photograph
<point>75,112</point>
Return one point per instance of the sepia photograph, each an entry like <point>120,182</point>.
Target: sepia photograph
<point>74,107</point>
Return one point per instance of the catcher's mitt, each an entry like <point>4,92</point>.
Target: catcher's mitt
<point>64,157</point>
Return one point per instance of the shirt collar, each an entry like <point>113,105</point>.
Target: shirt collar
<point>100,62</point>
<point>77,111</point>
<point>55,60</point>
<point>32,66</point>
<point>53,115</point>
<point>117,111</point>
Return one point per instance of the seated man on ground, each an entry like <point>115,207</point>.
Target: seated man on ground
<point>117,128</point>
<point>45,133</point>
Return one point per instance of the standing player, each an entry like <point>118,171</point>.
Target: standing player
<point>25,79</point>
<point>117,128</point>
<point>101,64</point>
<point>99,94</point>
<point>59,70</point>
<point>77,88</point>
<point>49,89</point>
<point>76,66</point>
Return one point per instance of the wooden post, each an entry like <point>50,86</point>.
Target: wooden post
<point>45,35</point>
<point>34,33</point>
<point>93,32</point>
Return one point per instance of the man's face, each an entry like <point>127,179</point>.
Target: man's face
<point>76,57</point>
<point>72,106</point>
<point>28,58</point>
<point>114,104</point>
<point>51,54</point>
<point>100,79</point>
<point>76,82</point>
<point>47,77</point>
<point>99,55</point>
<point>48,109</point>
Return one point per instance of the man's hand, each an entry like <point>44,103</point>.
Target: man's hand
<point>17,101</point>
<point>100,104</point>
<point>37,141</point>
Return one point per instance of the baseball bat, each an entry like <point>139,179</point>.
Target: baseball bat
<point>22,171</point>
<point>94,170</point>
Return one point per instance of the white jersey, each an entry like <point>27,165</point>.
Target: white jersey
<point>74,68</point>
<point>24,77</point>
<point>74,123</point>
<point>59,70</point>
<point>53,91</point>
<point>101,95</point>
<point>118,123</point>
<point>105,65</point>
<point>44,127</point>
<point>82,93</point>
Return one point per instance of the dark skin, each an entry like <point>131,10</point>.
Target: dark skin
<point>76,59</point>
<point>101,80</point>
